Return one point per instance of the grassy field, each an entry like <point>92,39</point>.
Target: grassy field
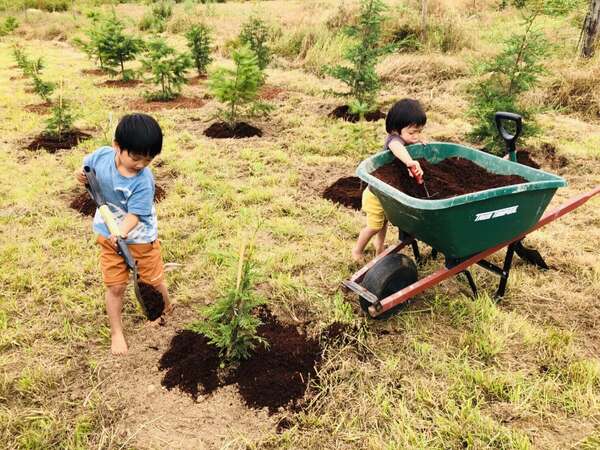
<point>449,372</point>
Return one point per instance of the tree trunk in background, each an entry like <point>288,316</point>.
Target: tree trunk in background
<point>589,32</point>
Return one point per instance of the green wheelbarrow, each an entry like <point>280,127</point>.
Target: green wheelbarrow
<point>465,229</point>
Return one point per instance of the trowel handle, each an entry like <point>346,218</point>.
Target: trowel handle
<point>509,139</point>
<point>418,178</point>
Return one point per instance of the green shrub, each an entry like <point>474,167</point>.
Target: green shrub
<point>10,24</point>
<point>156,19</point>
<point>61,120</point>
<point>359,75</point>
<point>238,88</point>
<point>229,323</point>
<point>199,42</point>
<point>32,68</point>
<point>116,48</point>
<point>93,46</point>
<point>515,70</point>
<point>168,69</point>
<point>255,35</point>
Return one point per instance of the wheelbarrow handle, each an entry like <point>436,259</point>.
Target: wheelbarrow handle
<point>509,139</point>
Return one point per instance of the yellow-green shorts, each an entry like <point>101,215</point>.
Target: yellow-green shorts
<point>372,207</point>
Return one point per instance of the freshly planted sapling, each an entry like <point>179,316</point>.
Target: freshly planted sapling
<point>93,46</point>
<point>117,48</point>
<point>10,24</point>
<point>61,120</point>
<point>238,88</point>
<point>229,323</point>
<point>199,42</point>
<point>359,74</point>
<point>167,68</point>
<point>32,68</point>
<point>255,35</point>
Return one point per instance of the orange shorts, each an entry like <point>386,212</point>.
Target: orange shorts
<point>147,257</point>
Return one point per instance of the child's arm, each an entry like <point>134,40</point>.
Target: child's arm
<point>402,154</point>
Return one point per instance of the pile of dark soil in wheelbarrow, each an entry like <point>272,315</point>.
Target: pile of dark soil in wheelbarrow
<point>272,377</point>
<point>448,178</point>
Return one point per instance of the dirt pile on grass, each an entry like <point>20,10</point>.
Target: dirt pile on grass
<point>220,130</point>
<point>54,143</point>
<point>274,377</point>
<point>343,112</point>
<point>346,191</point>
<point>448,178</point>
<point>154,302</point>
<point>180,102</point>
<point>83,204</point>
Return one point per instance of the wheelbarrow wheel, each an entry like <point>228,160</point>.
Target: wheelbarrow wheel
<point>388,276</point>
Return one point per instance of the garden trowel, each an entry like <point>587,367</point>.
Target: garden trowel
<point>150,299</point>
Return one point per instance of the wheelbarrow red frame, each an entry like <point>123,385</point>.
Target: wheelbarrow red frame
<point>380,306</point>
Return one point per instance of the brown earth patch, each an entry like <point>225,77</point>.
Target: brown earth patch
<point>52,143</point>
<point>119,83</point>
<point>550,154</point>
<point>220,130</point>
<point>343,112</point>
<point>39,108</point>
<point>83,204</point>
<point>346,191</point>
<point>97,72</point>
<point>195,81</point>
<point>273,377</point>
<point>448,178</point>
<point>269,92</point>
<point>157,105</point>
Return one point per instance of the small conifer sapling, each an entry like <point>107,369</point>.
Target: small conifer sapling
<point>255,35</point>
<point>199,42</point>
<point>167,69</point>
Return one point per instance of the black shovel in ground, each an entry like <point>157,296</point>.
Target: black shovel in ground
<point>150,299</point>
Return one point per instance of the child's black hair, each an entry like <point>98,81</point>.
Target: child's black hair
<point>404,113</point>
<point>139,134</point>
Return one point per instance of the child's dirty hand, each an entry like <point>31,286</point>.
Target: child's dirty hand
<point>113,239</point>
<point>414,169</point>
<point>80,175</point>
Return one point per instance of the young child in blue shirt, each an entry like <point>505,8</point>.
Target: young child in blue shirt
<point>404,123</point>
<point>127,185</point>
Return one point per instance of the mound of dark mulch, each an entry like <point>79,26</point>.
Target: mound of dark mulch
<point>343,112</point>
<point>191,364</point>
<point>550,153</point>
<point>52,143</point>
<point>272,377</point>
<point>83,204</point>
<point>346,191</point>
<point>153,301</point>
<point>220,130</point>
<point>448,178</point>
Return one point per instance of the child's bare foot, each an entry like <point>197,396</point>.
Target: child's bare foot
<point>357,256</point>
<point>118,345</point>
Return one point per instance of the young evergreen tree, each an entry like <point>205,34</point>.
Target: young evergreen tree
<point>199,42</point>
<point>359,74</point>
<point>32,68</point>
<point>116,47</point>
<point>93,46</point>
<point>238,88</point>
<point>168,69</point>
<point>255,35</point>
<point>61,120</point>
<point>229,323</point>
<point>10,24</point>
<point>515,70</point>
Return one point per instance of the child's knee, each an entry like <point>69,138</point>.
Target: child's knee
<point>116,290</point>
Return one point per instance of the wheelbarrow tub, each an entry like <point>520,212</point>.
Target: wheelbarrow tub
<point>466,224</point>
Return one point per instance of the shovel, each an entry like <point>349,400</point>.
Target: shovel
<point>150,300</point>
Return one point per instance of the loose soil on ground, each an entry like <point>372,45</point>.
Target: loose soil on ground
<point>157,105</point>
<point>83,204</point>
<point>273,377</point>
<point>343,112</point>
<point>52,143</point>
<point>120,83</point>
<point>220,130</point>
<point>97,72</point>
<point>40,108</point>
<point>448,178</point>
<point>153,301</point>
<point>346,191</point>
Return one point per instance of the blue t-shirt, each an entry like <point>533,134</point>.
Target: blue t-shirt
<point>134,195</point>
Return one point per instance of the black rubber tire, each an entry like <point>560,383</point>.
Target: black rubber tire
<point>388,276</point>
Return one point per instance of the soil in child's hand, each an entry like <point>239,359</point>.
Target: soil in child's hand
<point>448,178</point>
<point>346,191</point>
<point>153,300</point>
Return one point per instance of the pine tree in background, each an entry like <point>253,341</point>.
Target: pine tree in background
<point>255,35</point>
<point>168,69</point>
<point>116,48</point>
<point>61,120</point>
<point>93,46</point>
<point>238,88</point>
<point>360,75</point>
<point>229,323</point>
<point>32,68</point>
<point>199,43</point>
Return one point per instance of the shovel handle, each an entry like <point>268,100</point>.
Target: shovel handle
<point>509,139</point>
